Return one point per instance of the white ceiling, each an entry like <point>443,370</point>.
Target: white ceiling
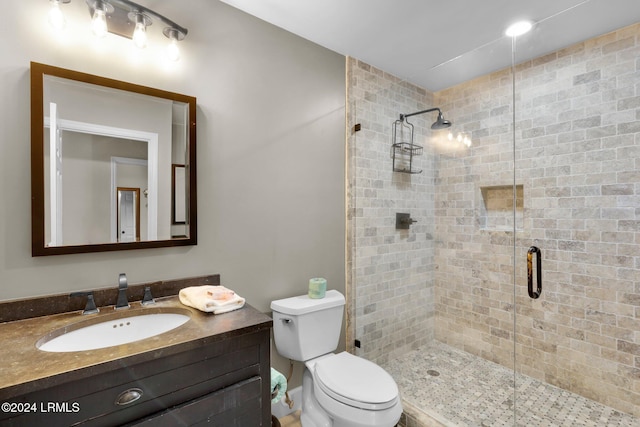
<point>437,44</point>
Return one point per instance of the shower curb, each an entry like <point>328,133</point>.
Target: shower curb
<point>415,417</point>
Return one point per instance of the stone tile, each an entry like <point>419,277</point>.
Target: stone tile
<point>444,386</point>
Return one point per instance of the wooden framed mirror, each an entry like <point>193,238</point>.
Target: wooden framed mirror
<point>92,135</point>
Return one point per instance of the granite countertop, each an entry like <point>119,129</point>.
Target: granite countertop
<point>25,368</point>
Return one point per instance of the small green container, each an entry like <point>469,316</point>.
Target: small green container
<point>317,287</point>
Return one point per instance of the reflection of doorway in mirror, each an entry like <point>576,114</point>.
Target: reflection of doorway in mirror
<point>130,173</point>
<point>128,214</point>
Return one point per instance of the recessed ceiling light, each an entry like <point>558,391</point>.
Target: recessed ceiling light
<point>518,29</point>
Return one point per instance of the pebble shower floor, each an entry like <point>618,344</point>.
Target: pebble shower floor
<point>443,386</point>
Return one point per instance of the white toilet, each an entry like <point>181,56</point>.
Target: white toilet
<point>338,390</point>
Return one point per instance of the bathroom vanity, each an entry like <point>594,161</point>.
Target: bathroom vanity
<point>212,370</point>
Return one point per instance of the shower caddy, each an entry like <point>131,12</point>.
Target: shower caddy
<point>402,148</point>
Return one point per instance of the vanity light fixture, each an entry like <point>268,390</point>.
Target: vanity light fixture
<point>56,17</point>
<point>99,16</point>
<point>124,18</point>
<point>174,35</point>
<point>142,21</point>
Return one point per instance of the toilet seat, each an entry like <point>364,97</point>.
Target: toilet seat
<point>356,382</point>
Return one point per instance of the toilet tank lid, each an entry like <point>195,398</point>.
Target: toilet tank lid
<point>303,304</point>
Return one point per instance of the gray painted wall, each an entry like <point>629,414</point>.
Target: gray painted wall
<point>271,154</point>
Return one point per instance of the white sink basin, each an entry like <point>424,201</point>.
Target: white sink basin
<point>111,330</point>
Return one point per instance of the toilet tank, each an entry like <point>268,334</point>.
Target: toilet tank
<point>305,328</point>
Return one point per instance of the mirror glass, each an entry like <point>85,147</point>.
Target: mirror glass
<point>113,164</point>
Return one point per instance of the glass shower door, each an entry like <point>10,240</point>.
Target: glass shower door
<point>577,271</point>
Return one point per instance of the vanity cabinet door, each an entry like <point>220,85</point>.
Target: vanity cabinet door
<point>234,406</point>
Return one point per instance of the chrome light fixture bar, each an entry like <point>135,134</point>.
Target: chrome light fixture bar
<point>126,19</point>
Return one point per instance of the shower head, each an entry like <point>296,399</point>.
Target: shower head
<point>441,122</point>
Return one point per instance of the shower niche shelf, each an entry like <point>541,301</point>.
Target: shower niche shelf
<point>496,210</point>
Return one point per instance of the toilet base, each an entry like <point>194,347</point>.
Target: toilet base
<point>312,414</point>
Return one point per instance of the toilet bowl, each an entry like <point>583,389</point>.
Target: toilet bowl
<point>353,391</point>
<point>338,390</point>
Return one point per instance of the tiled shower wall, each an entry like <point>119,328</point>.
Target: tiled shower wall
<point>391,288</point>
<point>578,200</point>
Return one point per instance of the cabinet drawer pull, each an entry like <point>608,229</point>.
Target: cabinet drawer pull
<point>129,396</point>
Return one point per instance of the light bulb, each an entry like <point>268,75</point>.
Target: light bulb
<point>518,29</point>
<point>174,35</point>
<point>459,138</point>
<point>99,23</point>
<point>140,35</point>
<point>56,17</point>
<point>450,136</point>
<point>173,51</point>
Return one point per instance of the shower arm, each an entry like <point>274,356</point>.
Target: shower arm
<point>404,116</point>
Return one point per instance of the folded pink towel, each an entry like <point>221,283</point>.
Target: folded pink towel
<point>211,299</point>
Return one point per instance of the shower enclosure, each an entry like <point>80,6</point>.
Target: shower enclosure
<point>544,175</point>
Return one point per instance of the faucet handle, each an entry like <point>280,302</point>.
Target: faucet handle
<point>90,308</point>
<point>147,298</point>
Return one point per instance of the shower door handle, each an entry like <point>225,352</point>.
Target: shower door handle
<point>534,250</point>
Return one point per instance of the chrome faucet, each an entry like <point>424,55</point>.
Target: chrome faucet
<point>122,292</point>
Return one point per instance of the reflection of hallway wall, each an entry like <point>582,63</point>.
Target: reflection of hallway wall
<point>391,271</point>
<point>577,139</point>
<point>86,185</point>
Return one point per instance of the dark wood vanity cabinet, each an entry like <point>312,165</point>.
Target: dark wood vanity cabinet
<point>221,381</point>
